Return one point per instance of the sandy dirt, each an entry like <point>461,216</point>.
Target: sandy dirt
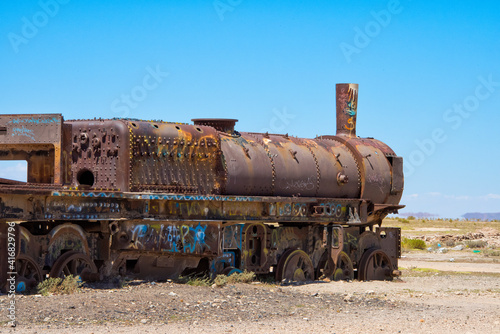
<point>456,261</point>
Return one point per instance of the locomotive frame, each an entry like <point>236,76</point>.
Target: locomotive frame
<point>156,200</point>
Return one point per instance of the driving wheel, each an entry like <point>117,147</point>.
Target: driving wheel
<point>28,273</point>
<point>76,264</point>
<point>344,270</point>
<point>375,265</point>
<point>295,265</point>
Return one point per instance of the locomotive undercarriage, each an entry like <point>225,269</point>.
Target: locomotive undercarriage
<point>163,249</point>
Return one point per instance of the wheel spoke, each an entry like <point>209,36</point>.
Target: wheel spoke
<point>300,263</point>
<point>74,263</point>
<point>66,271</point>
<point>24,265</point>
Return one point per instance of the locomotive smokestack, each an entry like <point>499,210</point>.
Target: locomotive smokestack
<point>347,109</point>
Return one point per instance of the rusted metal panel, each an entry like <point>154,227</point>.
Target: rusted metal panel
<point>294,170</point>
<point>397,185</point>
<point>82,206</point>
<point>340,174</point>
<point>30,129</point>
<point>248,166</point>
<point>225,125</point>
<point>390,242</point>
<point>100,151</point>
<point>168,157</point>
<point>36,139</point>
<point>377,171</point>
<point>199,238</point>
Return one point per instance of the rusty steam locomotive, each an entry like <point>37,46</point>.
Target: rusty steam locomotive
<point>155,200</point>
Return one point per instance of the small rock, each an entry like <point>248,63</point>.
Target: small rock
<point>46,319</point>
<point>143,321</point>
<point>349,298</point>
<point>172,293</point>
<point>452,260</point>
<point>217,300</point>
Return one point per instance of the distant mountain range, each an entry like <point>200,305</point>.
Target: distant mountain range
<point>482,216</point>
<point>470,215</point>
<point>418,214</point>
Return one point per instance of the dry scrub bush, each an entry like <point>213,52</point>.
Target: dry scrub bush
<point>408,243</point>
<point>58,286</point>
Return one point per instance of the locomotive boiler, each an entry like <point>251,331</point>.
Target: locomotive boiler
<point>156,200</point>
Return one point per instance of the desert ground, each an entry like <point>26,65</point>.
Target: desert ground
<point>451,286</point>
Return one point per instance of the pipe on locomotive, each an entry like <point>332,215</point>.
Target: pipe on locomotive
<point>347,105</point>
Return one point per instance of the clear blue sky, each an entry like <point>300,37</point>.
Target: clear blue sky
<point>428,72</point>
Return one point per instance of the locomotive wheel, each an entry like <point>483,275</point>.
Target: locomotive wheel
<point>344,270</point>
<point>76,264</point>
<point>295,265</point>
<point>375,265</point>
<point>228,271</point>
<point>28,273</point>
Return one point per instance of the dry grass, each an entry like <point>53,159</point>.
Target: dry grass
<point>426,272</point>
<point>415,227</point>
<point>408,243</point>
<point>244,277</point>
<point>199,281</point>
<point>220,280</point>
<point>58,286</point>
